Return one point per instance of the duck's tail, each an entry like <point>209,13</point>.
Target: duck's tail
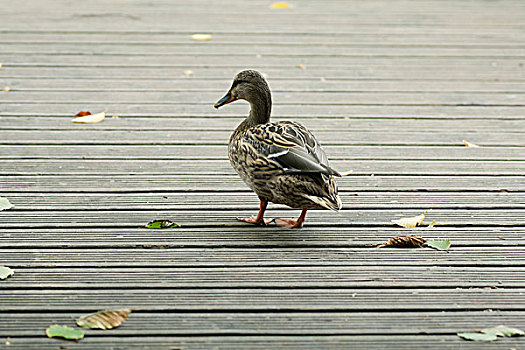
<point>331,203</point>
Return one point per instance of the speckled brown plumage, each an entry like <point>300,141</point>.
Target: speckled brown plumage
<point>281,162</point>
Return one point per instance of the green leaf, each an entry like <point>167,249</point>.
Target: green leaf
<point>503,331</point>
<point>161,224</point>
<point>5,204</point>
<point>106,319</point>
<point>64,332</point>
<point>5,272</point>
<point>478,336</point>
<point>439,244</point>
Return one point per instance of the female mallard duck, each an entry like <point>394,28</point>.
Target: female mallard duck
<point>282,162</point>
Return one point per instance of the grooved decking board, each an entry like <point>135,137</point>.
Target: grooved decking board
<point>424,111</point>
<point>89,182</point>
<point>179,82</point>
<point>148,151</point>
<point>223,167</point>
<point>401,342</point>
<point>236,200</point>
<point>230,123</point>
<point>298,323</point>
<point>330,99</point>
<point>264,277</point>
<point>469,238</point>
<point>382,262</point>
<point>201,218</point>
<point>267,299</point>
<point>400,137</point>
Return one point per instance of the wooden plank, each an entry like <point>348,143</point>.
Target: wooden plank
<point>468,238</point>
<point>166,258</point>
<point>180,82</point>
<point>264,299</point>
<point>213,152</point>
<point>331,98</point>
<point>278,111</point>
<point>401,342</point>
<point>248,200</point>
<point>482,124</point>
<point>266,323</point>
<point>198,218</point>
<point>198,137</point>
<point>88,182</point>
<point>222,167</point>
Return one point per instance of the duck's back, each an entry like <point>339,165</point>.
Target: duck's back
<point>283,163</point>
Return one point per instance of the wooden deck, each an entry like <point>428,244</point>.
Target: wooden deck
<point>391,88</point>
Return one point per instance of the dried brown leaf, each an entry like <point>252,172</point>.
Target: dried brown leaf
<point>410,241</point>
<point>106,319</point>
<point>82,114</point>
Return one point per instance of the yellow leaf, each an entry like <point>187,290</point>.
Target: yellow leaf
<point>279,5</point>
<point>469,144</point>
<point>300,66</point>
<point>114,117</point>
<point>410,222</point>
<point>201,37</point>
<point>7,88</point>
<point>92,118</point>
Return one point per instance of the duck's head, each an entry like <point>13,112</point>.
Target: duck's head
<point>248,85</point>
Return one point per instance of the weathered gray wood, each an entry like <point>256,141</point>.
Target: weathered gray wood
<point>401,342</point>
<point>248,200</point>
<point>202,218</point>
<point>266,323</point>
<point>223,167</point>
<point>197,137</point>
<point>240,110</point>
<point>331,98</point>
<point>267,299</point>
<point>468,238</point>
<point>179,82</point>
<point>39,181</point>
<point>349,123</point>
<point>382,261</point>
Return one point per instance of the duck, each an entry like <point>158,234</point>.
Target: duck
<point>282,162</point>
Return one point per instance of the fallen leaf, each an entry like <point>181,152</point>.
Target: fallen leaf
<point>410,222</point>
<point>189,73</point>
<point>300,66</point>
<point>7,89</point>
<point>201,37</point>
<point>478,336</point>
<point>106,319</point>
<point>439,244</point>
<point>5,272</point>
<point>279,5</point>
<point>91,118</point>
<point>161,224</point>
<point>503,331</point>
<point>346,173</point>
<point>0,65</point>
<point>469,144</point>
<point>114,117</point>
<point>432,223</point>
<point>5,204</point>
<point>409,241</point>
<point>82,113</point>
<point>64,332</point>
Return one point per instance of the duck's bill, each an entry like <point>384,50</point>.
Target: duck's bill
<point>225,100</point>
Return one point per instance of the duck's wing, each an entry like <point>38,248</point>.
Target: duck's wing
<point>292,146</point>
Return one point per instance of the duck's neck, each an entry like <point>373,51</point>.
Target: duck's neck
<point>260,108</point>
